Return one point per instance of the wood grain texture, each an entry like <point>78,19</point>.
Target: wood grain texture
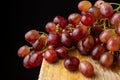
<point>57,71</point>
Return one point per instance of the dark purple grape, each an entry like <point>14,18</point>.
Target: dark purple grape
<point>61,21</point>
<point>53,39</point>
<point>66,39</point>
<point>87,19</point>
<point>50,27</point>
<point>97,52</point>
<point>62,52</point>
<point>81,49</point>
<point>79,33</point>
<point>97,40</point>
<point>26,62</point>
<point>71,63</point>
<point>50,55</point>
<point>32,35</point>
<point>86,68</point>
<point>36,59</point>
<point>95,31</point>
<point>88,43</point>
<point>40,43</point>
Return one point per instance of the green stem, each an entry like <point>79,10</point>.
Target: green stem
<point>89,29</point>
<point>112,52</point>
<point>117,9</point>
<point>114,4</point>
<point>43,33</point>
<point>104,24</point>
<point>31,48</point>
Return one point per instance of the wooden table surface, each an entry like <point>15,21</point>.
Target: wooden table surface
<point>57,70</point>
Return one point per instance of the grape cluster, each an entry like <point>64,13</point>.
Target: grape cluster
<point>95,31</point>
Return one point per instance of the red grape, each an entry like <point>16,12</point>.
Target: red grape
<point>86,68</point>
<point>95,11</point>
<point>71,63</point>
<point>66,39</point>
<point>97,52</point>
<point>23,51</point>
<point>79,33</point>
<point>118,29</point>
<point>36,59</point>
<point>61,21</point>
<point>50,55</point>
<point>81,49</point>
<point>115,20</point>
<point>106,34</point>
<point>106,10</point>
<point>62,52</point>
<point>50,27</point>
<point>88,43</point>
<point>26,62</point>
<point>53,38</point>
<point>32,35</point>
<point>98,3</point>
<point>95,31</point>
<point>113,44</point>
<point>74,18</point>
<point>118,59</point>
<point>107,59</point>
<point>84,5</point>
<point>87,19</point>
<point>40,43</point>
<point>97,40</point>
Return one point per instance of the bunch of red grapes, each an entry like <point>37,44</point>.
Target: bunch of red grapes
<point>95,31</point>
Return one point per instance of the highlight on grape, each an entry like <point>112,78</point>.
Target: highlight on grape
<point>94,31</point>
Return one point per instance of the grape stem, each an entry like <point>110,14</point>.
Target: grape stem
<point>70,29</point>
<point>104,23</point>
<point>118,8</point>
<point>43,33</point>
<point>31,48</point>
<point>70,48</point>
<point>112,52</point>
<point>114,4</point>
<point>44,50</point>
<point>89,29</point>
<point>58,29</point>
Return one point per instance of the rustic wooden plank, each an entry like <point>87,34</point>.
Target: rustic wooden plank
<point>57,71</point>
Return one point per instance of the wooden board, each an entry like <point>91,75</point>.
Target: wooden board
<point>57,71</point>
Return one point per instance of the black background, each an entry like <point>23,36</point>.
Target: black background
<point>24,15</point>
